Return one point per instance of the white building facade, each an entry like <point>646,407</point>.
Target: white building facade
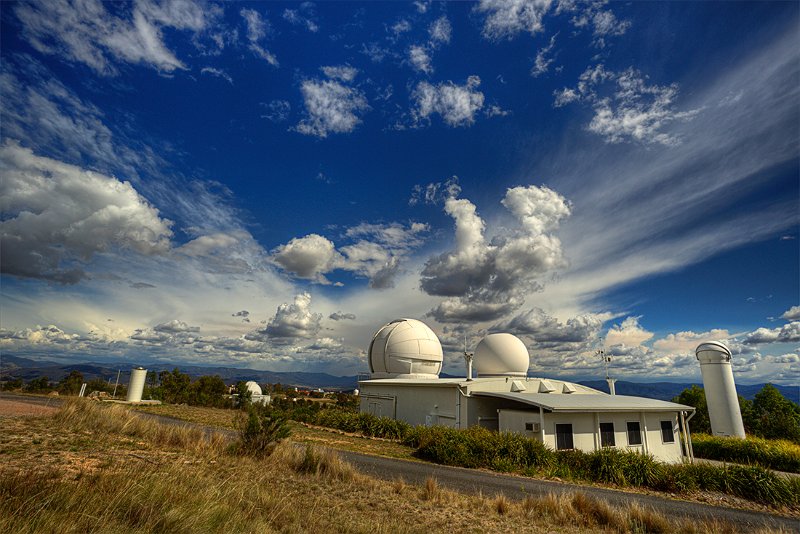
<point>563,415</point>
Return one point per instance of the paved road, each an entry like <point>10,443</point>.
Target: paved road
<point>488,484</point>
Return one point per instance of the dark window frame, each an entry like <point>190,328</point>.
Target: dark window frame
<point>606,436</point>
<point>631,432</point>
<point>564,441</point>
<point>671,430</point>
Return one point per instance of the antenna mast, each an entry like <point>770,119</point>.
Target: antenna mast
<point>606,360</point>
<point>468,359</point>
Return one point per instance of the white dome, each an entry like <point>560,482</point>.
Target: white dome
<point>405,348</point>
<point>501,354</point>
<point>253,388</point>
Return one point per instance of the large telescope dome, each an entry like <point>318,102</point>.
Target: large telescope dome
<point>501,355</point>
<point>405,348</point>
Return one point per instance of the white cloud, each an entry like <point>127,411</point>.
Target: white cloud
<point>339,316</point>
<point>295,320</point>
<point>57,216</point>
<point>85,32</point>
<point>305,16</point>
<point>635,111</point>
<point>792,314</point>
<point>440,31</point>
<point>258,29</point>
<point>545,329</point>
<point>629,333</point>
<point>175,326</point>
<point>219,73</point>
<point>420,59</point>
<point>457,104</point>
<point>508,18</point>
<point>374,253</point>
<point>401,26</point>
<point>788,333</point>
<point>543,59</point>
<point>486,280</point>
<point>687,342</point>
<point>308,257</point>
<point>331,107</point>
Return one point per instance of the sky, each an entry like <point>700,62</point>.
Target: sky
<point>265,185</point>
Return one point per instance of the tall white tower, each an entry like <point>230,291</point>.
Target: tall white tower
<point>136,385</point>
<point>721,398</point>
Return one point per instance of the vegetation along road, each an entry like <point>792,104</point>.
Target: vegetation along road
<point>517,487</point>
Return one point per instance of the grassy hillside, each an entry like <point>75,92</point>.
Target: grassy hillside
<point>103,469</point>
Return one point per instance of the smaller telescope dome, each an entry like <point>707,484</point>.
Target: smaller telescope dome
<point>405,348</point>
<point>501,355</point>
<point>253,388</point>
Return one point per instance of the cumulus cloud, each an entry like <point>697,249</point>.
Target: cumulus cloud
<point>788,333</point>
<point>339,316</point>
<point>485,280</point>
<point>258,29</point>
<point>629,334</point>
<point>86,32</point>
<point>632,111</point>
<point>792,314</point>
<point>344,73</point>
<point>49,334</point>
<point>331,106</point>
<point>58,215</point>
<point>507,18</point>
<point>374,253</point>
<point>295,320</point>
<point>308,257</point>
<point>456,104</point>
<point>687,342</point>
<point>175,327</point>
<point>544,328</point>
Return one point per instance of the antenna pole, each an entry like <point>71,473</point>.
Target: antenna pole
<point>609,380</point>
<point>467,359</point>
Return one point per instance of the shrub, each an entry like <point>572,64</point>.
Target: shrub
<point>782,455</point>
<point>260,434</point>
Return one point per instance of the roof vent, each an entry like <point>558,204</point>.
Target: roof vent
<point>546,387</point>
<point>517,386</point>
<point>568,388</point>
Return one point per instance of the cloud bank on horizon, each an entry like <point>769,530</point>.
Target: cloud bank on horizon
<point>265,184</point>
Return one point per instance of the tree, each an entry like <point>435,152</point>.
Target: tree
<point>12,383</point>
<point>208,391</point>
<point>775,416</point>
<point>39,385</point>
<point>71,384</point>
<point>696,396</point>
<point>175,386</point>
<point>244,395</point>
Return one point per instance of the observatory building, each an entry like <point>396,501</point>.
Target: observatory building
<point>405,359</point>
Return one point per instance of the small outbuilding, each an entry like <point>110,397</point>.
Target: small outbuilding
<point>405,358</point>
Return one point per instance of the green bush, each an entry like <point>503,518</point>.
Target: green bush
<point>781,455</point>
<point>259,434</point>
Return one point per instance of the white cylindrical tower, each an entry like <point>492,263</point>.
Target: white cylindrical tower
<point>405,348</point>
<point>136,385</point>
<point>721,398</point>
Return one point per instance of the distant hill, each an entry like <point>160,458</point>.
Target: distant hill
<point>669,390</point>
<point>28,369</point>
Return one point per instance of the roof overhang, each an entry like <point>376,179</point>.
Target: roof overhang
<point>575,403</point>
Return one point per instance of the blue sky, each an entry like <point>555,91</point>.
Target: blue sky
<point>266,184</point>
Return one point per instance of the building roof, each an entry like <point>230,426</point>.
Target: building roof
<point>587,402</point>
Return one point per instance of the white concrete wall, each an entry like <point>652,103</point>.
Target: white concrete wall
<point>416,405</point>
<point>585,430</point>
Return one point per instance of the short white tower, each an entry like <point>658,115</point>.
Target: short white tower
<point>136,385</point>
<point>721,398</point>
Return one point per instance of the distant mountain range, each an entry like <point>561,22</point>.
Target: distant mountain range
<point>28,369</point>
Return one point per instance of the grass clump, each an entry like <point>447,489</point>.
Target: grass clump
<point>779,454</point>
<point>259,434</point>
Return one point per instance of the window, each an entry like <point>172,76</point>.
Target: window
<point>607,435</point>
<point>667,434</point>
<point>564,437</point>
<point>634,433</point>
